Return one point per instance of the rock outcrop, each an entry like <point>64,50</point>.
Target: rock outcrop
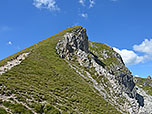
<point>149,77</point>
<point>12,63</point>
<point>71,43</point>
<point>119,87</point>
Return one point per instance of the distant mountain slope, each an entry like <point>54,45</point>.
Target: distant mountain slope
<point>67,74</point>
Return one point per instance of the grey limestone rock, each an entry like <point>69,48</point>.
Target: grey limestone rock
<point>75,40</point>
<point>75,44</point>
<point>12,63</point>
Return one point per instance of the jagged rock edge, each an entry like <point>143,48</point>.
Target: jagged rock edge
<point>132,110</point>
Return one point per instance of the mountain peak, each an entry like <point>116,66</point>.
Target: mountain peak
<point>72,41</point>
<point>67,73</point>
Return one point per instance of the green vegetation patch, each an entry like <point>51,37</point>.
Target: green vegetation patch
<point>45,78</point>
<point>144,83</point>
<point>16,108</point>
<point>107,55</point>
<point>2,111</point>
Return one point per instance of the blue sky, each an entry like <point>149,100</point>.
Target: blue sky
<point>125,25</point>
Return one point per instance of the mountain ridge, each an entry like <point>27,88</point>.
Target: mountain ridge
<point>78,75</point>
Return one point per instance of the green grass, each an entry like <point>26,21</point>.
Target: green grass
<point>44,76</point>
<point>99,49</point>
<point>145,84</point>
<point>2,62</point>
<point>2,111</point>
<point>17,108</point>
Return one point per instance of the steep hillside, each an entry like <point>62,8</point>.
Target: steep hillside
<point>45,83</point>
<point>67,74</point>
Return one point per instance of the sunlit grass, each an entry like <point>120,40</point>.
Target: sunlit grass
<point>44,76</point>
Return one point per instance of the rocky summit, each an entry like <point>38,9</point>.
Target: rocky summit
<point>68,74</point>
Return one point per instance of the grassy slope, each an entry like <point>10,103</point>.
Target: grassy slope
<point>99,49</point>
<point>46,77</point>
<point>2,111</point>
<point>145,84</point>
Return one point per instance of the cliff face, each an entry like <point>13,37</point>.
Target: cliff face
<point>104,68</point>
<point>67,74</point>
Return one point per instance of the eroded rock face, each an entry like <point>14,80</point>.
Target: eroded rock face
<point>12,63</point>
<point>74,45</point>
<point>73,41</point>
